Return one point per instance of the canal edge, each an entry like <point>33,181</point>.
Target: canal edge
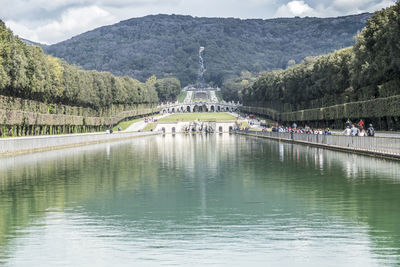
<point>382,155</point>
<point>77,144</point>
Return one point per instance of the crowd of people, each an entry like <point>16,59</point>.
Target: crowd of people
<point>148,120</point>
<point>300,130</point>
<point>352,129</point>
<point>357,129</point>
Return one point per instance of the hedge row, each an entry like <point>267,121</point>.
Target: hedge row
<point>17,111</point>
<point>15,103</point>
<point>375,108</point>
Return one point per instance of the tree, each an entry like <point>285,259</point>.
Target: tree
<point>168,89</point>
<point>26,72</point>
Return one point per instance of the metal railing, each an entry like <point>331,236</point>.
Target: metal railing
<point>382,145</point>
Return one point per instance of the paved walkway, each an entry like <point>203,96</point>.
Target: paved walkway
<point>134,127</point>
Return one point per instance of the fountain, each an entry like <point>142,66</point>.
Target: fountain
<point>200,81</point>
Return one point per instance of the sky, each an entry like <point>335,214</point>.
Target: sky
<point>52,21</point>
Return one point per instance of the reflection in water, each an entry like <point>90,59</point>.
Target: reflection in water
<point>193,200</point>
<point>281,152</point>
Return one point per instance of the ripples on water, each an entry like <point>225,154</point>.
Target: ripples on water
<point>219,200</point>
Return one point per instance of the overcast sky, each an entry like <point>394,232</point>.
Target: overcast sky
<point>52,21</point>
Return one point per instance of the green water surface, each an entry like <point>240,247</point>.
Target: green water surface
<point>216,200</point>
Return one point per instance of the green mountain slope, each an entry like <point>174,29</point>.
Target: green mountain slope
<point>168,45</point>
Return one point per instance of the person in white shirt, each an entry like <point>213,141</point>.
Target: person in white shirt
<point>354,131</point>
<point>347,131</point>
<point>362,132</point>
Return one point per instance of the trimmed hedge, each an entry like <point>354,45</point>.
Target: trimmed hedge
<point>374,110</point>
<point>17,113</point>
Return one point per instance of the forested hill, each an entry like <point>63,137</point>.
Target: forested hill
<point>168,45</point>
<point>26,72</point>
<point>368,70</point>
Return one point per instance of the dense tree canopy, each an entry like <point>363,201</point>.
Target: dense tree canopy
<point>370,69</point>
<point>168,89</point>
<point>232,86</point>
<point>26,72</point>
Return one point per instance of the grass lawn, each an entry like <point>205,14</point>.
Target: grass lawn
<point>218,95</point>
<point>244,124</point>
<point>255,130</point>
<point>203,116</point>
<point>149,126</point>
<point>126,124</point>
<point>182,96</point>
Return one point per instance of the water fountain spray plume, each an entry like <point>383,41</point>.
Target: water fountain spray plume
<point>202,69</point>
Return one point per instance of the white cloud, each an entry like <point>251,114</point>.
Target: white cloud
<point>331,9</point>
<point>360,6</point>
<point>260,2</point>
<point>73,21</point>
<point>295,8</point>
<point>350,4</point>
<point>380,5</point>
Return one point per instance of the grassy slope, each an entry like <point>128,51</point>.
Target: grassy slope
<point>182,96</point>
<point>150,126</point>
<point>218,95</point>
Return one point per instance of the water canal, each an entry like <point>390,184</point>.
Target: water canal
<point>219,200</point>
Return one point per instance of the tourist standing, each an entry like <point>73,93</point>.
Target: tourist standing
<point>371,130</point>
<point>362,132</point>
<point>348,123</point>
<point>354,131</point>
<point>361,123</point>
<point>347,131</point>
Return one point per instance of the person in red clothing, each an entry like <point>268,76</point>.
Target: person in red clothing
<point>361,123</point>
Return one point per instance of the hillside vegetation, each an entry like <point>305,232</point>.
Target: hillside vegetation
<point>368,70</point>
<point>168,45</point>
<point>28,73</point>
